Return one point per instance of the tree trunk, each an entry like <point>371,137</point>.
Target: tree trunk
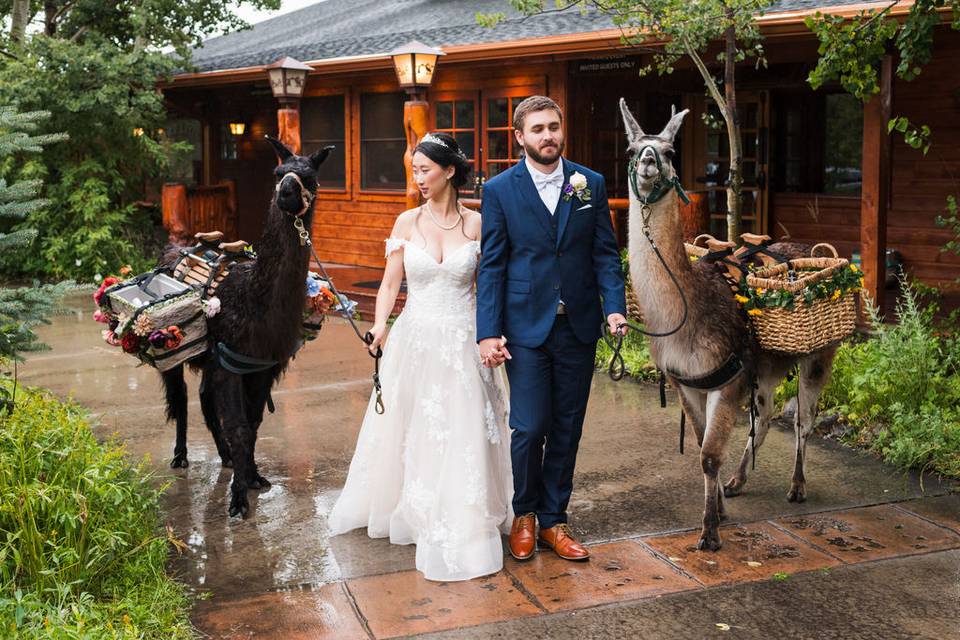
<point>19,16</point>
<point>51,14</point>
<point>735,183</point>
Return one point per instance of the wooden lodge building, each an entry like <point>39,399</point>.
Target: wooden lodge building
<point>819,165</point>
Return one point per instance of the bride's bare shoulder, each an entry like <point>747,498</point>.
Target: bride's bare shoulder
<point>471,223</point>
<point>405,222</point>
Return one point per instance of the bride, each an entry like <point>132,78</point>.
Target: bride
<point>434,469</point>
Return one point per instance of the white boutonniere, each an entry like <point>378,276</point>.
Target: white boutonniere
<point>577,187</point>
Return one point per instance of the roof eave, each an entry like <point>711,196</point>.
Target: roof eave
<point>782,24</point>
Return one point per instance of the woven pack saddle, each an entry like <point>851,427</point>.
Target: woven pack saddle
<point>208,262</point>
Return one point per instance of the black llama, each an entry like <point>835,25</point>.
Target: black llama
<point>261,313</point>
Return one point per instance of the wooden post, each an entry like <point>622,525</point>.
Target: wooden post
<point>416,119</point>
<point>174,205</point>
<point>232,223</point>
<point>288,121</point>
<point>875,189</point>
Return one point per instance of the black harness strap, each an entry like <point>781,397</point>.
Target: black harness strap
<point>719,377</point>
<point>240,364</point>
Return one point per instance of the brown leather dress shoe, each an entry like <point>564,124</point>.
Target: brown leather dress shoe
<point>560,539</point>
<point>523,536</point>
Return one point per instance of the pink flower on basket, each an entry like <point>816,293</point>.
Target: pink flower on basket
<point>101,317</point>
<point>106,284</point>
<point>110,338</point>
<point>211,307</point>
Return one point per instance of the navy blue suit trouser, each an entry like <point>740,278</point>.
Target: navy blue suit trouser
<point>549,388</point>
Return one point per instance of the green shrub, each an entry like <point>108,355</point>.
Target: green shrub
<point>900,389</point>
<point>82,554</point>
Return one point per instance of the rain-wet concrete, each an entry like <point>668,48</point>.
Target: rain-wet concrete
<point>631,479</point>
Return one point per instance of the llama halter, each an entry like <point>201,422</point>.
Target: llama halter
<point>305,195</point>
<point>660,186</point>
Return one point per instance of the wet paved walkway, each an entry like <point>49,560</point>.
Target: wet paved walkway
<point>870,554</point>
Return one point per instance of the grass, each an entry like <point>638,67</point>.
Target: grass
<point>82,553</point>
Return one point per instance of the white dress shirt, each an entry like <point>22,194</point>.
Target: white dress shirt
<point>548,185</point>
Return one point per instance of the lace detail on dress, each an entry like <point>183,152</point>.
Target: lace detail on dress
<point>434,470</point>
<point>392,245</point>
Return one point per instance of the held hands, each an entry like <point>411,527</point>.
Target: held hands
<point>493,352</point>
<point>617,324</point>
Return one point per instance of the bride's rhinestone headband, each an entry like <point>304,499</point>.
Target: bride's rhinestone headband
<point>435,140</point>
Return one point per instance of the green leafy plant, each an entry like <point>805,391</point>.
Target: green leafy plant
<point>82,553</point>
<point>899,389</point>
<point>669,30</point>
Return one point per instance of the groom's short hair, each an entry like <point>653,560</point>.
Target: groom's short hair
<point>531,105</point>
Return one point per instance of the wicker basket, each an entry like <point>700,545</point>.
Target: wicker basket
<point>159,302</point>
<point>806,327</point>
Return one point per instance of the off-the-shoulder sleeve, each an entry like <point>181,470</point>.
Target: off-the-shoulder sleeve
<point>392,245</point>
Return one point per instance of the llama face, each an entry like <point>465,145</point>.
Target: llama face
<point>646,150</point>
<point>294,174</point>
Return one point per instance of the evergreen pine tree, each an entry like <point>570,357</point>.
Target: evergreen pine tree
<point>22,308</point>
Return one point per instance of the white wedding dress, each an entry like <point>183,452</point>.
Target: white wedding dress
<point>434,469</point>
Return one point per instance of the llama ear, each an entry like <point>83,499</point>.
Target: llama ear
<point>670,131</point>
<point>634,132</point>
<point>281,149</point>
<point>318,156</point>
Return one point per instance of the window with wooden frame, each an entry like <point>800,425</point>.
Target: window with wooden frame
<point>500,148</point>
<point>818,142</point>
<point>456,113</point>
<point>382,142</point>
<point>323,123</point>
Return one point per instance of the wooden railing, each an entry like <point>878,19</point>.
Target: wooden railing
<point>190,209</point>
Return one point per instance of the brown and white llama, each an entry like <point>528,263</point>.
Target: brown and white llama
<point>715,330</point>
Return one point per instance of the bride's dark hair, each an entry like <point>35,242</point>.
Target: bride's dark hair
<point>443,149</point>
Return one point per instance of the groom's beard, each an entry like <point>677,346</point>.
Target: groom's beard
<point>536,156</point>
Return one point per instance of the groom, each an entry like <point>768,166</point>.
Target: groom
<point>549,265</point>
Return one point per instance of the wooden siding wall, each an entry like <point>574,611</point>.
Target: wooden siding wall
<point>351,225</point>
<point>920,184</point>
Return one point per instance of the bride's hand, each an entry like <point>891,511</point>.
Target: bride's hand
<point>377,331</point>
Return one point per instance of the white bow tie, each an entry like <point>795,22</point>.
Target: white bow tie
<point>542,181</point>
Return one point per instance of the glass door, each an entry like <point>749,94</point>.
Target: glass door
<point>713,151</point>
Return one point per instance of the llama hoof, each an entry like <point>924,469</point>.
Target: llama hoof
<point>259,482</point>
<point>732,489</point>
<point>797,494</point>
<point>239,506</point>
<point>179,461</point>
<point>709,542</point>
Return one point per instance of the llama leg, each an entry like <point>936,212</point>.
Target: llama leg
<point>766,388</point>
<point>722,409</point>
<point>814,374</point>
<point>694,405</point>
<point>210,416</point>
<point>257,388</point>
<point>231,404</point>
<point>176,393</point>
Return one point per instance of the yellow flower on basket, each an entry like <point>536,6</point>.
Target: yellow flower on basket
<point>754,312</point>
<point>861,283</point>
<point>741,299</point>
<point>693,258</point>
<point>836,294</point>
<point>759,291</point>
<point>854,268</point>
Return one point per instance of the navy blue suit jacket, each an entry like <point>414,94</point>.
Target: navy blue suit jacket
<point>531,260</point>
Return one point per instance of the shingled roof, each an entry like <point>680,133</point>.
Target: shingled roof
<point>345,28</point>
